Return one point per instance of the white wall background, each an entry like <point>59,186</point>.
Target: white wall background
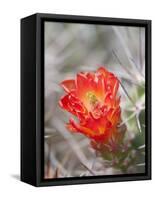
<point>10,13</point>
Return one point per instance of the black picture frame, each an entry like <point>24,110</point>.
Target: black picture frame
<point>32,103</point>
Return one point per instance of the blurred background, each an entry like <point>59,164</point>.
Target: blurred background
<point>71,48</point>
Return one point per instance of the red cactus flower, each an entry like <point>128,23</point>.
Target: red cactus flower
<point>92,98</point>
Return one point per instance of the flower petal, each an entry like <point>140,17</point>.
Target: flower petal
<point>68,85</point>
<point>103,71</point>
<point>64,103</point>
<point>70,127</point>
<point>82,129</point>
<point>81,84</point>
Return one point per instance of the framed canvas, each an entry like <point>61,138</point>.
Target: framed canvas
<point>85,99</point>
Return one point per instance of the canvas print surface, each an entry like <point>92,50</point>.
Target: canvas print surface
<point>94,102</point>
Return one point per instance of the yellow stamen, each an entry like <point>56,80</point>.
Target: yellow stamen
<point>91,97</point>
